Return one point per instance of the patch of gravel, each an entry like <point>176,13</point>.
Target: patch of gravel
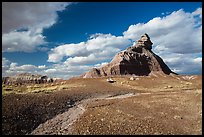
<point>62,123</point>
<point>122,96</point>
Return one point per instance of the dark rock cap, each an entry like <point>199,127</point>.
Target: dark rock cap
<point>145,42</point>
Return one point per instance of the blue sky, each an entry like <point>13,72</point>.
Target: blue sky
<point>67,39</point>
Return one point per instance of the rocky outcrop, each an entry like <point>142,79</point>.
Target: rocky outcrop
<point>25,78</point>
<point>137,59</point>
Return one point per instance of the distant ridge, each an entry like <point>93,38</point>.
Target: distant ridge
<point>25,78</point>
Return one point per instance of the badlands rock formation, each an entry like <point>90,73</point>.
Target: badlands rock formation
<point>24,78</point>
<point>137,59</point>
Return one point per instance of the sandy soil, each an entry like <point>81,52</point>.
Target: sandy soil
<point>148,105</point>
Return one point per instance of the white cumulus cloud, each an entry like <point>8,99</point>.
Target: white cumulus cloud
<point>12,68</point>
<point>198,12</point>
<point>62,70</point>
<point>42,67</point>
<point>98,47</point>
<point>23,24</point>
<point>21,41</point>
<point>5,65</point>
<point>177,32</point>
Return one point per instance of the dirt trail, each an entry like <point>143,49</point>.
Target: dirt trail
<point>62,123</point>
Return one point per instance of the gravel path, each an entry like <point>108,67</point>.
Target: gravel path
<point>62,123</point>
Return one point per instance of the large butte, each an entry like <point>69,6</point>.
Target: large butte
<point>138,59</point>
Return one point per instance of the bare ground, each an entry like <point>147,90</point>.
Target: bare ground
<point>148,105</point>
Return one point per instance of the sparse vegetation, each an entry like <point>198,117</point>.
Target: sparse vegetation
<point>37,88</point>
<point>158,101</point>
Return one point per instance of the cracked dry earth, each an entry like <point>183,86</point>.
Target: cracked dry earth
<point>148,105</point>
